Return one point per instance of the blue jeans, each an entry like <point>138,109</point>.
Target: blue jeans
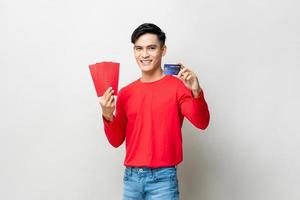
<point>150,184</point>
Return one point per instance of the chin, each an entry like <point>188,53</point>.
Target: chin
<point>146,68</point>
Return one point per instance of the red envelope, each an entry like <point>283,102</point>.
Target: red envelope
<point>105,75</point>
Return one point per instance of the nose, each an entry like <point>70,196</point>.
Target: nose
<point>145,53</point>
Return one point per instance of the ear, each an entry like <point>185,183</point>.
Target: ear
<point>164,48</point>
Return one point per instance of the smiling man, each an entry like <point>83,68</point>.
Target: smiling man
<point>149,116</point>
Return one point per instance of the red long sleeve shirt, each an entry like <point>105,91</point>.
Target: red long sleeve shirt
<point>149,115</point>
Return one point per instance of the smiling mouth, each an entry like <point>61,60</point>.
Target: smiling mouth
<point>146,62</point>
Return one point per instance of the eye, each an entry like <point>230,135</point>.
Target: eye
<point>152,48</point>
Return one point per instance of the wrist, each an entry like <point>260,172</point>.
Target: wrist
<point>108,117</point>
<point>196,92</point>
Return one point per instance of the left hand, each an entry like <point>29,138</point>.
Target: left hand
<point>189,79</point>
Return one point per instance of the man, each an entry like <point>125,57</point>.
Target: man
<point>149,115</point>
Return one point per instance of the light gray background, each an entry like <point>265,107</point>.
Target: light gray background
<point>246,55</point>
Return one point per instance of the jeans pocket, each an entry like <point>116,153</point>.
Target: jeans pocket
<point>167,178</point>
<point>163,178</point>
<point>166,174</point>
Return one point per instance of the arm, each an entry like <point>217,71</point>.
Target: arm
<point>114,125</point>
<point>195,109</point>
<point>191,99</point>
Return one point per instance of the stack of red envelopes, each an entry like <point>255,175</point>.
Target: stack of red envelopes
<point>105,75</point>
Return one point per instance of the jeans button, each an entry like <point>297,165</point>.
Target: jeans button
<point>140,170</point>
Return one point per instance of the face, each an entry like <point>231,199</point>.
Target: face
<point>148,52</point>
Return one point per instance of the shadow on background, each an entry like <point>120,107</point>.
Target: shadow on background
<point>202,172</point>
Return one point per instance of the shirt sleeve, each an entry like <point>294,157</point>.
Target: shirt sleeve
<point>194,109</point>
<point>116,130</point>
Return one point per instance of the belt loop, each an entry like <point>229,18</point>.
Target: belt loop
<point>130,171</point>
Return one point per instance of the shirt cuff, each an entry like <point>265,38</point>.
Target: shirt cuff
<point>201,94</point>
<point>106,121</point>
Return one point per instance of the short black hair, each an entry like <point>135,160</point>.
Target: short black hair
<point>148,28</point>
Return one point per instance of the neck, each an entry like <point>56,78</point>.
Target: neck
<point>152,75</point>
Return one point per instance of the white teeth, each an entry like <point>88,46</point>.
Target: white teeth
<point>146,61</point>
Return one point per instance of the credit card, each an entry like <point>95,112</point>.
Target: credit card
<point>171,69</point>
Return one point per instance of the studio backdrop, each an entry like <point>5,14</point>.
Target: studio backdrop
<point>247,58</point>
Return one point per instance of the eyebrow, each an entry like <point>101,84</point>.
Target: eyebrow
<point>151,45</point>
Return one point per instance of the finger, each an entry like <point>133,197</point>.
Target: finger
<point>185,76</point>
<point>107,99</point>
<point>100,100</point>
<point>107,92</point>
<point>181,65</point>
<point>181,72</point>
<point>188,77</point>
<point>104,99</point>
<point>111,100</point>
<point>184,72</point>
<point>110,93</point>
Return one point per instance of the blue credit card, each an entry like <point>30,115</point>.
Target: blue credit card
<point>171,69</point>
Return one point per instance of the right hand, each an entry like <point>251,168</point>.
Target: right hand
<point>107,102</point>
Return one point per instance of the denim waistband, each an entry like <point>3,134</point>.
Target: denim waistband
<point>149,168</point>
<point>145,170</point>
